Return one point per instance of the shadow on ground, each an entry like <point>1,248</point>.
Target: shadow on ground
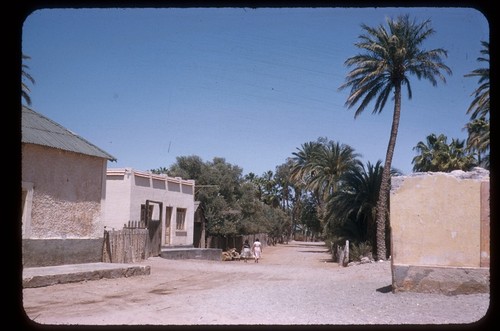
<point>385,289</point>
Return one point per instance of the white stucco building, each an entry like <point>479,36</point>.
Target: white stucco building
<point>169,200</point>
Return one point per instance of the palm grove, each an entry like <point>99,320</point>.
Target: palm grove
<point>323,190</point>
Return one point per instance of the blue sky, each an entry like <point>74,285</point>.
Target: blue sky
<point>248,85</point>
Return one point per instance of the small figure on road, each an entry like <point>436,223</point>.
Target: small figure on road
<point>246,252</point>
<point>257,250</point>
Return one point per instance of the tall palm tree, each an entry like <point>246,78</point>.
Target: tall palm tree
<point>391,56</point>
<point>25,91</point>
<point>480,106</point>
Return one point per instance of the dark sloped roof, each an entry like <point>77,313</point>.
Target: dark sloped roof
<point>40,130</point>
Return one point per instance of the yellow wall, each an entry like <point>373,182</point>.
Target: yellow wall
<point>435,220</point>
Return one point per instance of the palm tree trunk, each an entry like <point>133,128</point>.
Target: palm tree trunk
<point>385,185</point>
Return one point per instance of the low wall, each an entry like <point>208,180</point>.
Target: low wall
<point>50,252</point>
<point>213,254</point>
<point>72,273</point>
<point>444,280</point>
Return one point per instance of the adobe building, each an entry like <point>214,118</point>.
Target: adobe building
<point>440,225</point>
<point>63,194</point>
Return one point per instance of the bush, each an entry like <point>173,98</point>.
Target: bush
<point>359,250</point>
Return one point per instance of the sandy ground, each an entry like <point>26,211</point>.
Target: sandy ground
<point>293,284</point>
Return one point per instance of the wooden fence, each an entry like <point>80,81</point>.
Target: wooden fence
<point>134,244</point>
<point>126,246</point>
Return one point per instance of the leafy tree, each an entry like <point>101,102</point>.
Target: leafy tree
<point>392,55</point>
<point>188,167</point>
<point>437,155</point>
<point>217,188</point>
<point>269,189</point>
<point>274,191</point>
<point>276,223</point>
<point>232,204</point>
<point>252,210</point>
<point>26,77</point>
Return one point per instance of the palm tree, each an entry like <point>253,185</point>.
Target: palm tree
<point>437,155</point>
<point>320,165</point>
<point>479,126</point>
<point>353,208</point>
<point>391,57</point>
<point>480,106</point>
<point>302,161</point>
<point>269,187</point>
<point>329,164</point>
<point>282,180</point>
<point>296,193</point>
<point>478,140</point>
<point>428,153</point>
<point>25,91</point>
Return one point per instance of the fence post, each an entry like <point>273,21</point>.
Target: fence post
<point>346,256</point>
<point>343,254</point>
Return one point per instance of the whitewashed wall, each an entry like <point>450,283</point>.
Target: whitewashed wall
<point>127,189</point>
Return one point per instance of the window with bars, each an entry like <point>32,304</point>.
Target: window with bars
<point>180,219</point>
<point>144,217</point>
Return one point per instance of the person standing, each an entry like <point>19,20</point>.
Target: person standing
<point>245,251</point>
<point>257,250</point>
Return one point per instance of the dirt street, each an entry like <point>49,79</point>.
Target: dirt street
<point>293,284</point>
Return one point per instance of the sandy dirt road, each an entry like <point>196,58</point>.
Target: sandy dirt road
<point>293,284</point>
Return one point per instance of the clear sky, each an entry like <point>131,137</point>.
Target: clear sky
<point>248,85</point>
